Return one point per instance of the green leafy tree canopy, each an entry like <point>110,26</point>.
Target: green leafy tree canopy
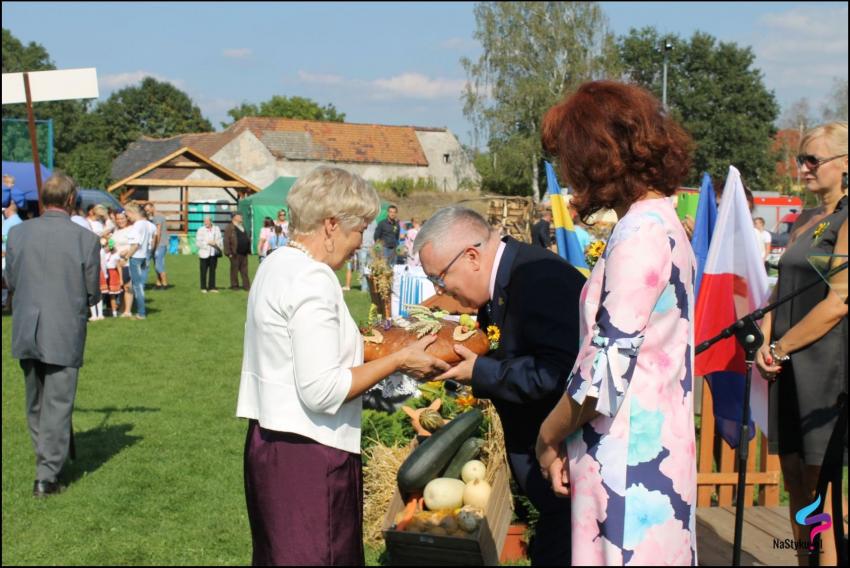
<point>533,53</point>
<point>717,94</point>
<point>286,107</point>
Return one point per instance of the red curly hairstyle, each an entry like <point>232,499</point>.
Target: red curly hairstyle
<point>614,143</point>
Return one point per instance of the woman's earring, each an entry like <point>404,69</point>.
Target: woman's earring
<point>332,245</point>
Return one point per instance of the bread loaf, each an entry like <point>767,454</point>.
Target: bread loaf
<point>397,338</point>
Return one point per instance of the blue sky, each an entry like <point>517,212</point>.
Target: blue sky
<point>386,63</point>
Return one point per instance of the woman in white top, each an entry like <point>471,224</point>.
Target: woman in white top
<point>121,236</point>
<point>302,379</point>
<point>209,241</point>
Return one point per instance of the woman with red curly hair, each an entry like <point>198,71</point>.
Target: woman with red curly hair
<point>629,461</point>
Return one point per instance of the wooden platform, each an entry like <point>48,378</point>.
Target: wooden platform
<point>716,533</point>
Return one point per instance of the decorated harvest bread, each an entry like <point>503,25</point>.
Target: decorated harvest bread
<point>387,341</point>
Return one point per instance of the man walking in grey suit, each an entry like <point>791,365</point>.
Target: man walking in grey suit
<point>53,268</point>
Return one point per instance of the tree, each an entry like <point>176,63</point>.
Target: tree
<point>18,58</point>
<point>798,116</point>
<point>153,108</point>
<point>90,164</point>
<point>287,107</point>
<point>533,53</point>
<point>835,107</point>
<point>718,96</point>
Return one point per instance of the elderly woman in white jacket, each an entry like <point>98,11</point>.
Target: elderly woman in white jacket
<point>209,242</point>
<point>302,379</point>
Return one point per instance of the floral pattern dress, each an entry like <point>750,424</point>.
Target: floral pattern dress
<point>633,468</point>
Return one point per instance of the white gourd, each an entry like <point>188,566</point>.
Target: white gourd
<point>444,493</point>
<point>473,469</point>
<point>477,493</point>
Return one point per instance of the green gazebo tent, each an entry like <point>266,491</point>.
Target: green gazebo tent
<point>265,203</point>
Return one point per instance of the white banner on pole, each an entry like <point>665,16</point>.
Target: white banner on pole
<point>58,85</point>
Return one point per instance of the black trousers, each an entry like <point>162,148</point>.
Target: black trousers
<point>239,264</point>
<point>551,544</point>
<point>208,265</point>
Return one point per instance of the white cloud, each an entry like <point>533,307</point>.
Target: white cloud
<point>320,79</point>
<point>237,52</point>
<point>121,80</point>
<point>417,86</point>
<point>802,47</point>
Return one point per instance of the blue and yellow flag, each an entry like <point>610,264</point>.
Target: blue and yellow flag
<point>568,246</point>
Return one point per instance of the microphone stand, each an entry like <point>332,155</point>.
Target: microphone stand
<point>748,333</point>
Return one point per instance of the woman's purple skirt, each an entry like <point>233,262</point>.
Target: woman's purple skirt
<point>305,500</point>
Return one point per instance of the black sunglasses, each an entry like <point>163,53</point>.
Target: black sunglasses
<point>813,162</point>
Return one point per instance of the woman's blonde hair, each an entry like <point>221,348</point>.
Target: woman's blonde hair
<point>835,134</point>
<point>331,192</point>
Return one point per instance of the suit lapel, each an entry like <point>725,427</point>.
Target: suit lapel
<point>498,305</point>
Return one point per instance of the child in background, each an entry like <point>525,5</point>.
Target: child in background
<point>111,284</point>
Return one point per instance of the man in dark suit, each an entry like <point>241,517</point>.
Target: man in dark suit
<point>541,232</point>
<point>532,297</point>
<point>237,247</point>
<point>53,267</point>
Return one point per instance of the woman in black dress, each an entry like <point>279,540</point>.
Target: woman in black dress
<point>806,337</point>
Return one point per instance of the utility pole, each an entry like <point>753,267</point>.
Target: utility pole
<point>667,47</point>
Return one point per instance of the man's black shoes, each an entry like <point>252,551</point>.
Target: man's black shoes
<point>46,488</point>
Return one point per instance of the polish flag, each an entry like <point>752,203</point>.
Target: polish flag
<point>734,284</point>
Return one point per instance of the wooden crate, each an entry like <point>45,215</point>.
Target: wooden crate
<point>419,549</point>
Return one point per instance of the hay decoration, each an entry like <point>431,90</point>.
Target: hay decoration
<point>493,453</point>
<point>379,484</point>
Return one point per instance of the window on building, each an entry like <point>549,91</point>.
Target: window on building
<point>446,158</point>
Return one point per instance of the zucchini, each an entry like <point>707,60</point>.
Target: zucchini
<point>468,451</point>
<point>430,458</point>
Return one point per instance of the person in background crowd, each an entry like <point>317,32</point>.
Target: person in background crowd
<point>364,254</point>
<point>762,237</point>
<point>210,244</point>
<point>277,239</point>
<point>152,242</point>
<point>624,428</point>
<point>110,275</point>
<point>109,225</point>
<point>138,254</point>
<point>541,232</point>
<point>282,222</point>
<point>387,234</point>
<point>804,338</point>
<point>409,239</point>
<point>53,268</point>
<point>121,237</point>
<point>237,247</point>
<point>302,380</point>
<point>10,219</point>
<point>96,215</point>
<point>78,215</point>
<point>265,233</point>
<point>161,247</point>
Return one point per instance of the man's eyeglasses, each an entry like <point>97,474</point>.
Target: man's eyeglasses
<point>438,280</point>
<point>813,162</point>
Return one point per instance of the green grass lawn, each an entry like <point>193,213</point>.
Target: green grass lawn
<point>158,475</point>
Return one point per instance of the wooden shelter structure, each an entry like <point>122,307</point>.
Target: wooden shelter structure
<point>179,161</point>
